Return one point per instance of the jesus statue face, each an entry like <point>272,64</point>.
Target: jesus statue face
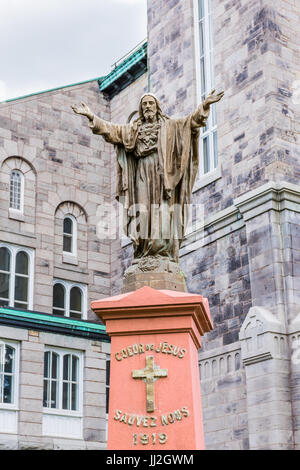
<point>149,108</point>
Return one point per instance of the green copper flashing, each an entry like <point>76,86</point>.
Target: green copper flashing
<point>134,65</point>
<point>98,79</point>
<point>52,323</point>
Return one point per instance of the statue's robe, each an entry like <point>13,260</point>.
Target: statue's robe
<point>155,186</point>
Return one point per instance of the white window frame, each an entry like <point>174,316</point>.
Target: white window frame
<point>21,209</point>
<point>14,250</point>
<point>16,346</point>
<point>73,237</point>
<point>59,422</point>
<point>60,410</point>
<point>68,285</point>
<point>211,127</point>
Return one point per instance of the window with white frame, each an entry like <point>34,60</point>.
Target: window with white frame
<point>62,393</point>
<point>62,374</point>
<point>70,235</point>
<point>16,276</point>
<point>16,190</point>
<point>8,373</point>
<point>205,67</point>
<point>69,299</point>
<point>9,384</point>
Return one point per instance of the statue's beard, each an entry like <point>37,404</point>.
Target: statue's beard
<point>149,115</point>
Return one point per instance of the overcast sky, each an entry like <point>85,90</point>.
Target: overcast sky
<point>50,43</point>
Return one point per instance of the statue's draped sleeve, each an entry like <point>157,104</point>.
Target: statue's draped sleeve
<point>124,139</point>
<point>179,147</point>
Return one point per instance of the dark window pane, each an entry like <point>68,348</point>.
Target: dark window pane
<point>66,396</point>
<point>21,288</point>
<point>22,263</point>
<point>75,315</point>
<point>75,368</point>
<point>75,299</point>
<point>67,244</point>
<point>4,286</point>
<point>22,305</point>
<point>54,395</point>
<point>47,364</point>
<point>74,396</point>
<point>3,303</point>
<point>8,389</point>
<point>58,296</point>
<point>55,365</point>
<point>46,393</point>
<point>9,359</point>
<point>4,259</point>
<point>58,312</point>
<point>66,369</point>
<point>107,372</point>
<point>68,225</point>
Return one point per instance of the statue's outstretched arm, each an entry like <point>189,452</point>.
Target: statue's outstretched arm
<point>199,117</point>
<point>112,133</point>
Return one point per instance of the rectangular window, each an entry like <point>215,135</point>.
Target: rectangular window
<point>61,380</point>
<point>62,394</point>
<point>205,65</point>
<point>9,384</point>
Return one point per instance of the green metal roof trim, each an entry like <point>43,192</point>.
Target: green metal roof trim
<point>98,79</point>
<point>126,65</point>
<point>52,323</point>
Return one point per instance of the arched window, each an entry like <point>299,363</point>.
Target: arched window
<point>16,276</point>
<point>69,235</point>
<point>21,280</point>
<point>70,382</point>
<point>59,299</point>
<point>76,302</point>
<point>69,299</point>
<point>62,373</point>
<point>5,263</point>
<point>51,376</point>
<point>16,190</point>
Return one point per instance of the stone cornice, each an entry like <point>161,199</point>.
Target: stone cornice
<point>271,196</point>
<point>276,196</point>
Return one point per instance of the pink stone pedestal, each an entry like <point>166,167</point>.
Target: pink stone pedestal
<point>155,400</point>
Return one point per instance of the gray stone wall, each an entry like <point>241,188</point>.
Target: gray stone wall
<point>67,170</point>
<point>30,433</point>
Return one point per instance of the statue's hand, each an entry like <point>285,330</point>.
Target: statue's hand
<point>84,110</point>
<point>212,98</point>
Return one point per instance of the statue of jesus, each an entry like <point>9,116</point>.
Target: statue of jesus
<point>157,163</point>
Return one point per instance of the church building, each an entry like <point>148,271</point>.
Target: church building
<point>241,250</point>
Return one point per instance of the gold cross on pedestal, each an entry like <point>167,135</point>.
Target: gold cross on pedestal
<point>150,373</point>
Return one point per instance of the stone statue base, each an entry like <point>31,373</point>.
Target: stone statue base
<point>154,271</point>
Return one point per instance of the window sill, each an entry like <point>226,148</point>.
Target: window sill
<point>57,412</point>
<point>16,214</point>
<point>206,179</point>
<point>68,258</point>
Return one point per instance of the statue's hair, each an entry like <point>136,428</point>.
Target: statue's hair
<point>159,111</point>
